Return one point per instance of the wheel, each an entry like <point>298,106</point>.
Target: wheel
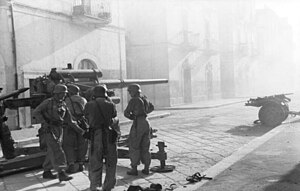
<point>286,110</point>
<point>272,115</point>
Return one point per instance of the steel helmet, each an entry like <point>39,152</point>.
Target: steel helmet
<point>60,88</point>
<point>134,88</point>
<point>100,91</point>
<point>73,89</point>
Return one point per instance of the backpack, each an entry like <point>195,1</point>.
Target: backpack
<point>149,107</point>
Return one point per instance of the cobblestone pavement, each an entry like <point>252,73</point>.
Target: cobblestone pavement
<point>196,140</point>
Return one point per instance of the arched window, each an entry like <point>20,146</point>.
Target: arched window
<point>87,64</point>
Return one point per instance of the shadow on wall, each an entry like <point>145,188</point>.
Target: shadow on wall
<point>48,36</point>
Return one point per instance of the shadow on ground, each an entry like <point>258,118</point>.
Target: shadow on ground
<point>249,130</point>
<point>287,182</point>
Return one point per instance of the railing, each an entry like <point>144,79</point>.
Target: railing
<point>93,8</point>
<point>194,40</point>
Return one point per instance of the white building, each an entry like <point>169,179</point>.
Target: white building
<point>37,35</point>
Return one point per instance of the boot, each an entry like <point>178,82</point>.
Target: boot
<point>62,176</point>
<point>80,167</point>
<point>145,170</point>
<point>133,171</point>
<point>71,169</point>
<point>48,175</point>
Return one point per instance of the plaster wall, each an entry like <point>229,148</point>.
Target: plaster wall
<point>48,37</point>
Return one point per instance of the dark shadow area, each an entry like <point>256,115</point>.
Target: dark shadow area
<point>288,182</point>
<point>17,171</point>
<point>249,130</point>
<point>294,121</point>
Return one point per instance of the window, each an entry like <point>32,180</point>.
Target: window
<point>87,64</point>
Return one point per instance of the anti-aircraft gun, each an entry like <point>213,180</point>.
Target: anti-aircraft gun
<point>41,88</point>
<point>273,109</point>
<point>85,79</point>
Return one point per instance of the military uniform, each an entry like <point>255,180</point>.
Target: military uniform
<point>101,145</point>
<point>139,136</point>
<point>53,113</point>
<point>74,145</point>
<point>6,141</point>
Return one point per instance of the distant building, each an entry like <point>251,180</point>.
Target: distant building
<point>274,69</point>
<point>177,40</point>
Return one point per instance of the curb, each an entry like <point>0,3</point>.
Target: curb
<point>35,140</point>
<point>199,107</point>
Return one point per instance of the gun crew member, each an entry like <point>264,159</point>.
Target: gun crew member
<point>6,141</point>
<point>74,145</point>
<point>139,135</point>
<point>102,114</point>
<point>53,114</point>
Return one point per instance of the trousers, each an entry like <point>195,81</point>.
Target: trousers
<point>139,142</point>
<point>96,156</point>
<point>74,145</point>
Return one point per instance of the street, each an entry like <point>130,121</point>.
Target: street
<point>196,139</point>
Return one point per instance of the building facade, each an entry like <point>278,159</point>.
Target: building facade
<point>177,40</point>
<point>43,34</point>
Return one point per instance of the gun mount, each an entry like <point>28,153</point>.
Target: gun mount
<point>25,158</point>
<point>85,79</point>
<point>273,109</point>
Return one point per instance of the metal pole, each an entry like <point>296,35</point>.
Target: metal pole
<point>120,53</point>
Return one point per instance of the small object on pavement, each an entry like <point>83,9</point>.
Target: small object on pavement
<point>161,155</point>
<point>172,186</point>
<point>156,187</point>
<point>197,177</point>
<point>135,188</point>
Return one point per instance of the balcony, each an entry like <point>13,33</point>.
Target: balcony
<point>91,12</point>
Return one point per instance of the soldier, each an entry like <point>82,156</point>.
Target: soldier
<point>6,141</point>
<point>100,111</point>
<point>53,113</point>
<point>139,135</point>
<point>74,145</point>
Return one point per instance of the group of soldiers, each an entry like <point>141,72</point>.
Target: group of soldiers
<point>72,127</point>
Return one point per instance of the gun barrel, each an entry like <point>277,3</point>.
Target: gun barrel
<point>126,82</point>
<point>84,73</point>
<point>13,94</point>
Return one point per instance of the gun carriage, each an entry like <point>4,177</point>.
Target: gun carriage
<point>24,158</point>
<point>273,109</point>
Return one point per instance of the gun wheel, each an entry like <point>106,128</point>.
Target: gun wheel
<point>272,114</point>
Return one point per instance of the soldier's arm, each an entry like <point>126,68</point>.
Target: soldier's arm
<point>128,112</point>
<point>71,123</point>
<point>114,111</point>
<point>40,112</point>
<point>86,111</point>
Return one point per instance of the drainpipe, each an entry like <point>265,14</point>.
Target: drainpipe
<point>14,46</point>
<point>14,52</point>
<point>120,54</point>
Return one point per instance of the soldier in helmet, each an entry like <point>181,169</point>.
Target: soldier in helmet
<point>6,141</point>
<point>101,113</point>
<point>139,135</point>
<point>74,145</point>
<point>53,114</point>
